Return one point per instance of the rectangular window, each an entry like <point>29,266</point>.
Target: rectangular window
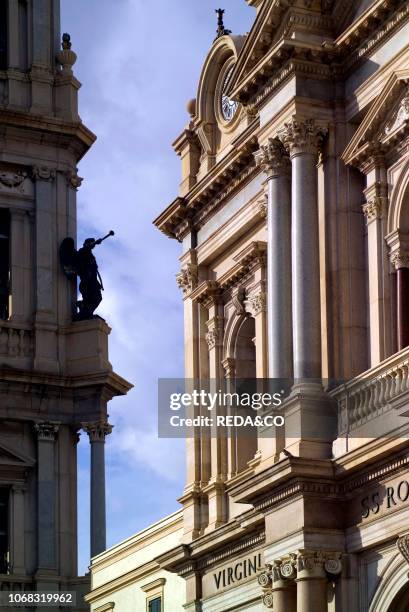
<point>155,605</point>
<point>4,531</point>
<point>4,262</point>
<point>3,34</point>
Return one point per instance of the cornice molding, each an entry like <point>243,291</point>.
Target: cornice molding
<point>334,58</point>
<point>206,197</point>
<point>247,260</point>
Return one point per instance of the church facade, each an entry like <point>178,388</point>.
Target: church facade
<point>293,219</point>
<point>55,375</point>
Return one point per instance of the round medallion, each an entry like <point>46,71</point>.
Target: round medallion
<point>228,107</point>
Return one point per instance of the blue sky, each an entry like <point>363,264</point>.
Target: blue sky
<point>139,62</point>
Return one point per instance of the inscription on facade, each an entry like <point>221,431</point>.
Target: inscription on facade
<point>237,572</point>
<point>385,498</point>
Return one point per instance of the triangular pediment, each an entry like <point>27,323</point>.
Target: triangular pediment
<point>13,458</point>
<point>386,119</point>
<point>281,28</point>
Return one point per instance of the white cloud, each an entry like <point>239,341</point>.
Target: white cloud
<point>162,456</point>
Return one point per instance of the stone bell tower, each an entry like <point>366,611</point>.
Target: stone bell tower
<point>55,376</point>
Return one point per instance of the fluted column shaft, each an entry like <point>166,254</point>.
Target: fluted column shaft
<point>97,433</point>
<point>273,159</point>
<point>302,140</point>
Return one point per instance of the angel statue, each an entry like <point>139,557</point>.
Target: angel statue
<point>83,264</point>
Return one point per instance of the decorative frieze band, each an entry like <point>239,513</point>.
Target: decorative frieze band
<point>302,136</point>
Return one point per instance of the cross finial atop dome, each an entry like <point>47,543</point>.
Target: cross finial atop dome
<point>221,30</point>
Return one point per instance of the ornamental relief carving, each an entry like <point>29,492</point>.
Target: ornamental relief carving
<point>262,207</point>
<point>374,208</point>
<point>43,173</point>
<point>401,117</point>
<point>308,562</point>
<point>273,159</point>
<point>214,335</point>
<point>97,431</point>
<point>187,278</point>
<point>258,303</point>
<point>73,180</point>
<point>400,259</point>
<point>13,180</point>
<point>302,136</point>
<point>403,547</point>
<point>47,431</point>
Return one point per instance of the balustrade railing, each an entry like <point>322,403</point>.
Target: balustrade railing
<point>373,393</point>
<point>15,584</point>
<point>15,340</point>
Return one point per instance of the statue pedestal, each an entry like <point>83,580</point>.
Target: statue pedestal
<point>87,347</point>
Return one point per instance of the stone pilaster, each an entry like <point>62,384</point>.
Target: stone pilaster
<point>215,490</point>
<point>46,357</point>
<point>375,210</point>
<point>97,433</point>
<point>17,529</point>
<point>46,495</point>
<point>20,266</point>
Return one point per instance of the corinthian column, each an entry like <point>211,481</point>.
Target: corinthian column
<point>302,140</point>
<point>97,433</point>
<point>274,161</point>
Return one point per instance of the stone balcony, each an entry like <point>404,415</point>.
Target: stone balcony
<point>374,405</point>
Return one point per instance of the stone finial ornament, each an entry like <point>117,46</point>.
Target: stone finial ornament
<point>66,41</point>
<point>66,57</point>
<point>221,30</point>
